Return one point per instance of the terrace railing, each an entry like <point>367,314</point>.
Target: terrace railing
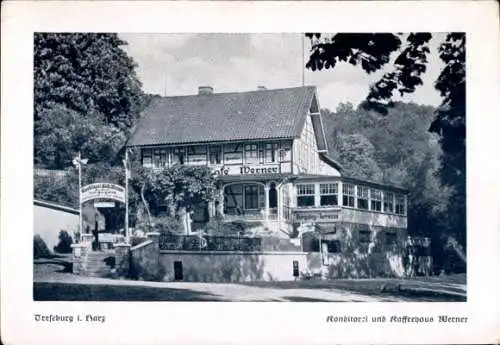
<point>226,243</point>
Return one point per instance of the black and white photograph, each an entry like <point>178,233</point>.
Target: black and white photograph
<point>160,159</point>
<point>250,167</point>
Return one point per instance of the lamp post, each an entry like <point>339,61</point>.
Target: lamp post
<point>78,162</point>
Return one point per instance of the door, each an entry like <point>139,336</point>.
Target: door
<point>178,274</point>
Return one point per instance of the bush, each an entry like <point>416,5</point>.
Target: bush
<point>167,225</point>
<point>219,228</point>
<point>40,249</point>
<point>65,242</point>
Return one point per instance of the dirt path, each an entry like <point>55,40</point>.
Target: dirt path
<point>53,281</point>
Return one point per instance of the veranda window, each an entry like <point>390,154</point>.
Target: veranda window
<point>376,200</point>
<point>400,204</point>
<point>328,194</point>
<point>305,195</point>
<point>363,197</point>
<point>388,202</point>
<point>348,195</point>
<point>233,154</point>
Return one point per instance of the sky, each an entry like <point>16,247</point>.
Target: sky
<point>176,64</point>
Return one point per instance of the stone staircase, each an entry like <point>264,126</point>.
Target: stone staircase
<point>100,263</point>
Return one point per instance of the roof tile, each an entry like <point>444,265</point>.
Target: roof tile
<point>262,114</point>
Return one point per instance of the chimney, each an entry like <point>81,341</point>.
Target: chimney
<point>205,90</point>
<point>261,88</point>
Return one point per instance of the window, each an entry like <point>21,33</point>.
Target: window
<point>233,199</point>
<point>159,158</point>
<point>305,195</point>
<point>233,154</point>
<point>400,204</point>
<point>348,195</point>
<point>328,194</point>
<point>363,197</point>
<point>215,153</point>
<point>391,239</point>
<point>251,197</point>
<point>271,153</point>
<point>147,158</point>
<point>376,200</point>
<point>389,202</point>
<point>365,236</point>
<point>285,153</point>
<point>252,154</point>
<point>197,155</point>
<point>178,155</point>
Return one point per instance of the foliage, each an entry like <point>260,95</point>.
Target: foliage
<point>167,224</point>
<point>217,227</point>
<point>409,156</point>
<point>65,242</point>
<point>372,52</point>
<point>58,189</point>
<point>178,188</point>
<point>40,249</point>
<point>356,154</point>
<point>86,95</point>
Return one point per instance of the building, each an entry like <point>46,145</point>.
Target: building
<point>270,154</point>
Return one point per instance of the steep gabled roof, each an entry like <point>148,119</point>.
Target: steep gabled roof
<point>253,115</point>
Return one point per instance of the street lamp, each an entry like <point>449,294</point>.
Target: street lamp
<point>78,162</point>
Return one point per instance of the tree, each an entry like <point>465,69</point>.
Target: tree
<point>372,52</point>
<point>408,155</point>
<point>86,96</point>
<point>177,189</point>
<point>62,132</point>
<point>356,154</point>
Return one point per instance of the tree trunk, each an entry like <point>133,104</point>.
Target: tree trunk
<point>146,205</point>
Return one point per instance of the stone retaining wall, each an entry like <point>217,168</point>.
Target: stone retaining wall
<point>232,266</point>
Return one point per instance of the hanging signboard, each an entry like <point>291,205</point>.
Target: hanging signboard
<point>102,191</point>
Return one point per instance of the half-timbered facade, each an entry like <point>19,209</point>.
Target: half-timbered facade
<point>269,151</point>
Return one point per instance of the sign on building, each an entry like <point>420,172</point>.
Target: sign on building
<point>317,216</point>
<point>102,191</point>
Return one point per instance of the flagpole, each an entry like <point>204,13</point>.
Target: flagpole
<point>302,60</point>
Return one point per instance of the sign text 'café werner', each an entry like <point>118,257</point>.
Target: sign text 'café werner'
<point>247,169</point>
